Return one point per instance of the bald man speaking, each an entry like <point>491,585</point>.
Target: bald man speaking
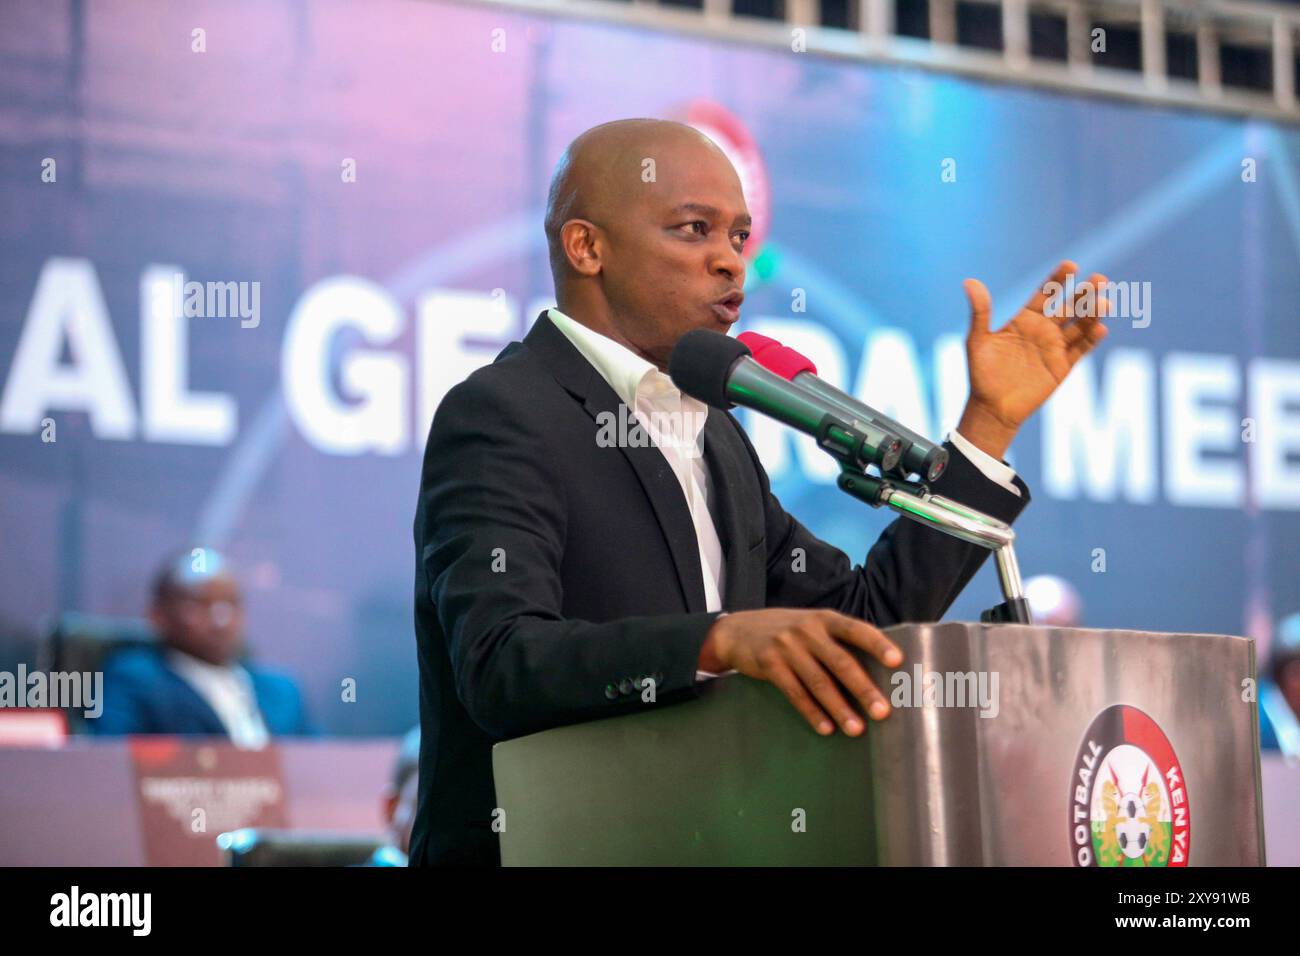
<point>559,573</point>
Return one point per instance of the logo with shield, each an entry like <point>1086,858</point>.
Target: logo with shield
<point>1128,799</point>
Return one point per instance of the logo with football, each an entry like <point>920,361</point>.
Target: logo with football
<point>1128,803</point>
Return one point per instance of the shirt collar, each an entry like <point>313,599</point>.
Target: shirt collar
<point>632,378</point>
<point>205,670</point>
<point>642,388</point>
<point>623,369</point>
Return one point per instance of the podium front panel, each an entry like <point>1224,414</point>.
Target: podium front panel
<point>1011,745</point>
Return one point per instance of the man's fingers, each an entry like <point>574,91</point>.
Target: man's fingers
<point>863,635</point>
<point>1088,339</point>
<point>1084,335</point>
<point>849,672</point>
<point>981,305</point>
<point>1087,331</point>
<point>1082,308</point>
<point>1037,300</point>
<point>823,688</point>
<point>1082,329</point>
<point>1087,303</point>
<point>785,680</point>
<point>806,658</point>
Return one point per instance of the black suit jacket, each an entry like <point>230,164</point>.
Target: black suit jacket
<point>552,574</point>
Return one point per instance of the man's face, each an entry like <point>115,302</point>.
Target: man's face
<point>673,261</point>
<point>204,619</point>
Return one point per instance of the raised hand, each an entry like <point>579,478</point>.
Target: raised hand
<point>1014,370</point>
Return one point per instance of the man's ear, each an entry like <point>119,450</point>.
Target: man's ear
<point>583,246</point>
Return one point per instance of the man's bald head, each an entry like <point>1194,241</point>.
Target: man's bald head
<point>604,169</point>
<point>645,223</point>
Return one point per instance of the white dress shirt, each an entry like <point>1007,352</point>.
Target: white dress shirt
<point>228,690</point>
<point>675,423</point>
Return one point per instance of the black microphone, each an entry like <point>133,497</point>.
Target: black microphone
<point>920,455</point>
<point>719,371</point>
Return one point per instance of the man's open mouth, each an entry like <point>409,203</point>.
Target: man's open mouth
<point>728,307</point>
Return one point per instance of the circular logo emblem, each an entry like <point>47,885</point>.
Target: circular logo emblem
<point>1128,801</point>
<point>733,138</point>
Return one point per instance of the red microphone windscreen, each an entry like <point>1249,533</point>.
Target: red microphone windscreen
<point>780,359</point>
<point>758,343</point>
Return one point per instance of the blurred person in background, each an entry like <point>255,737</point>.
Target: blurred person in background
<point>1279,691</point>
<point>399,803</point>
<point>1053,601</point>
<point>196,679</point>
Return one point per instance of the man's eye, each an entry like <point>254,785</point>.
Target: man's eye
<point>743,237</point>
<point>703,226</point>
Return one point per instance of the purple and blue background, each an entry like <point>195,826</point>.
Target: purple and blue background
<point>227,163</point>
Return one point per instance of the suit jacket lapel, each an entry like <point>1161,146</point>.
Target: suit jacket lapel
<point>665,494</point>
<point>199,705</point>
<point>582,380</point>
<point>726,458</point>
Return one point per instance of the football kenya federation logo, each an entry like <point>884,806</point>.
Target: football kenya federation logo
<point>1128,803</point>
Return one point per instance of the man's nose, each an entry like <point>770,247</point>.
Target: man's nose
<point>730,263</point>
<point>221,614</point>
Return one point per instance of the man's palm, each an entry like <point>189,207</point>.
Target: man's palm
<point>1014,370</point>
